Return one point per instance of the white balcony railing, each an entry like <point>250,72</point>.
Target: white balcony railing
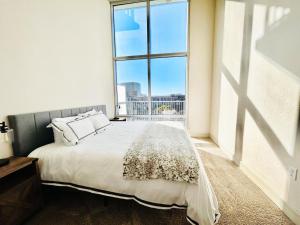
<point>171,109</point>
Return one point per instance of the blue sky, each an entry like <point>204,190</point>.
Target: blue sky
<point>168,34</point>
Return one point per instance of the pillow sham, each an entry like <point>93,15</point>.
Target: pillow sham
<point>66,133</point>
<point>82,128</point>
<point>65,119</point>
<point>71,130</point>
<point>58,135</point>
<point>57,129</point>
<point>89,113</point>
<point>99,121</point>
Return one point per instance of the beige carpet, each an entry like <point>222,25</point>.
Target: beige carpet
<point>241,202</point>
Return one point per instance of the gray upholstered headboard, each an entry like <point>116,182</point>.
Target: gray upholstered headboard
<point>30,130</point>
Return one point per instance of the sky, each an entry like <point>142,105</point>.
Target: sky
<point>168,35</point>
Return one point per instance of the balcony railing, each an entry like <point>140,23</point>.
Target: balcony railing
<point>159,109</point>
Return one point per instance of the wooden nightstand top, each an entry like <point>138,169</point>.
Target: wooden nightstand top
<point>15,163</point>
<point>121,119</point>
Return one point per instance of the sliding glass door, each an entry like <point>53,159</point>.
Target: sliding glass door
<point>150,57</point>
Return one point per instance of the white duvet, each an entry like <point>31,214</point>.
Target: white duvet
<point>97,166</point>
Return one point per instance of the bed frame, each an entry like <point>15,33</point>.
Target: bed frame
<point>30,132</point>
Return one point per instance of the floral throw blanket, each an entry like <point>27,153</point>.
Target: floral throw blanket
<point>164,152</point>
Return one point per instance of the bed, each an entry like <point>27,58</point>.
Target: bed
<point>96,165</point>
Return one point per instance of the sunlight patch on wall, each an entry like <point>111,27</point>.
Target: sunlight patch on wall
<point>227,116</point>
<point>280,40</point>
<point>276,13</point>
<point>254,147</point>
<point>268,81</point>
<point>233,37</point>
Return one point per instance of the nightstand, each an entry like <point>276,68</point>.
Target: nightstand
<point>118,119</point>
<point>20,190</point>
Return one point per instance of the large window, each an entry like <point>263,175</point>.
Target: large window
<point>150,57</point>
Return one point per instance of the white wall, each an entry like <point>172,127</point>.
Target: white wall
<point>54,54</point>
<point>57,54</point>
<point>256,93</point>
<point>200,66</point>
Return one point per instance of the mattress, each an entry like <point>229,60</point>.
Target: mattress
<point>96,166</point>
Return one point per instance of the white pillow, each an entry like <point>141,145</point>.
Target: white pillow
<point>68,135</point>
<point>72,130</point>
<point>89,113</point>
<point>82,128</point>
<point>57,131</point>
<point>65,119</point>
<point>58,135</point>
<point>99,121</point>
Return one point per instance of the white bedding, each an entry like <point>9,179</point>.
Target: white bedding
<point>96,165</point>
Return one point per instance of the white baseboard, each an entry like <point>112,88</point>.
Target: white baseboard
<point>259,181</point>
<point>212,137</point>
<point>203,135</point>
<point>228,154</point>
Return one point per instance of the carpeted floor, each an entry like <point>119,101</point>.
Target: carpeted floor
<point>241,202</point>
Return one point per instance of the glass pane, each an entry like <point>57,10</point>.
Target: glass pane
<point>168,22</point>
<point>132,87</point>
<point>168,76</point>
<point>130,22</point>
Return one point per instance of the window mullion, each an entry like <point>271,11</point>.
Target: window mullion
<point>151,56</point>
<point>116,101</point>
<point>148,58</point>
